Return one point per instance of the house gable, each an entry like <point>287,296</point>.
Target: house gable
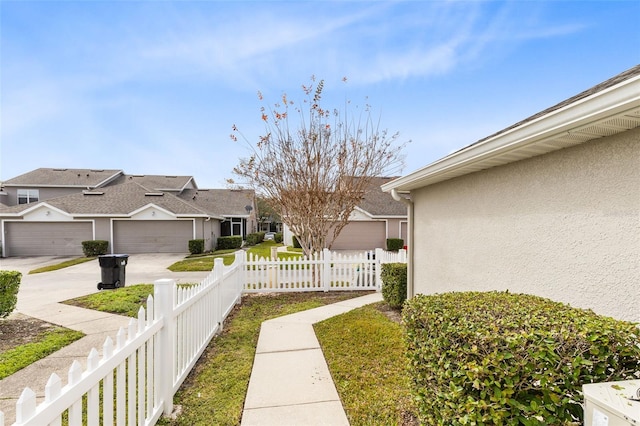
<point>44,212</point>
<point>152,212</point>
<point>359,214</point>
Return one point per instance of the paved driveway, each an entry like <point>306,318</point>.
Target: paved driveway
<point>79,280</point>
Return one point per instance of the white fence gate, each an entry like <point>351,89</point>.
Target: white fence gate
<point>134,381</point>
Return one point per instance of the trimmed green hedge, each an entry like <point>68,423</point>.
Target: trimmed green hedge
<point>394,283</point>
<point>277,237</point>
<point>511,359</point>
<point>225,243</point>
<point>94,248</point>
<point>394,244</point>
<point>196,246</point>
<point>9,285</point>
<point>255,238</point>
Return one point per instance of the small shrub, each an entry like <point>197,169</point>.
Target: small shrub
<point>296,243</point>
<point>94,248</point>
<point>511,359</point>
<point>278,237</point>
<point>9,285</point>
<point>226,243</point>
<point>394,284</point>
<point>255,238</point>
<point>394,244</point>
<point>196,246</point>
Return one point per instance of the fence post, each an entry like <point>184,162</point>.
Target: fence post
<point>163,295</point>
<point>218,272</point>
<point>378,268</point>
<point>403,255</point>
<point>241,262</point>
<point>326,269</point>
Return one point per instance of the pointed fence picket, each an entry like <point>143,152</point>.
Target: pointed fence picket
<point>134,381</point>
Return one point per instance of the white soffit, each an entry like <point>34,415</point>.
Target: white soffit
<point>606,113</point>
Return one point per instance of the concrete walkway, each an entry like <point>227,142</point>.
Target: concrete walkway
<point>290,382</point>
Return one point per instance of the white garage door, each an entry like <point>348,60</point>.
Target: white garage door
<point>152,236</point>
<point>46,238</point>
<point>361,235</point>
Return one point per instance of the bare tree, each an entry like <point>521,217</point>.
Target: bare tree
<point>314,167</point>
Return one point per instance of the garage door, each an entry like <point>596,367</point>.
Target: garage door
<point>403,231</point>
<point>46,238</point>
<point>152,236</point>
<point>364,235</point>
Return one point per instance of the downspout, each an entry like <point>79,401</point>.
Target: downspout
<point>410,249</point>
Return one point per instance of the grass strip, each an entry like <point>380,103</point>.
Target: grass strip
<point>202,263</point>
<point>365,353</point>
<point>122,301</point>
<point>215,391</point>
<point>50,341</point>
<point>62,265</point>
<point>205,263</point>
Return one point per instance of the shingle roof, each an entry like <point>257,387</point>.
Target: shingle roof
<point>116,200</point>
<point>158,182</point>
<point>221,202</point>
<point>84,178</point>
<point>379,203</point>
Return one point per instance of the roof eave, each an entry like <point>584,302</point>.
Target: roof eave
<point>538,136</point>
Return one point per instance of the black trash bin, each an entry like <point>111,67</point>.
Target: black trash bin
<point>113,270</point>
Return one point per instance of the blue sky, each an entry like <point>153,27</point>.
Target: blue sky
<point>154,87</point>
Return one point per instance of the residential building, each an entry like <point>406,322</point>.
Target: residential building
<point>549,206</point>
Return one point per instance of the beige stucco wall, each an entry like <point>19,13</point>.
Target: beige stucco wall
<point>565,225</point>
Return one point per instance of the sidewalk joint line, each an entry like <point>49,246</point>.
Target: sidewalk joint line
<point>293,405</point>
<point>289,350</point>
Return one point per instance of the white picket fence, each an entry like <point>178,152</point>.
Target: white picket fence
<point>325,271</point>
<point>134,381</point>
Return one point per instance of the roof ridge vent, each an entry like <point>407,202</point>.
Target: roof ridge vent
<point>93,192</point>
<point>154,194</point>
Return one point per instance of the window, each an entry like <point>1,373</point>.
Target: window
<point>26,196</point>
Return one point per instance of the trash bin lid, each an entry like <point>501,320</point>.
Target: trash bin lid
<point>111,260</point>
<point>107,261</point>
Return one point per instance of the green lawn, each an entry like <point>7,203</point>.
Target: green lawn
<point>62,265</point>
<point>122,301</point>
<point>43,345</point>
<point>205,262</point>
<point>201,263</point>
<point>365,353</point>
